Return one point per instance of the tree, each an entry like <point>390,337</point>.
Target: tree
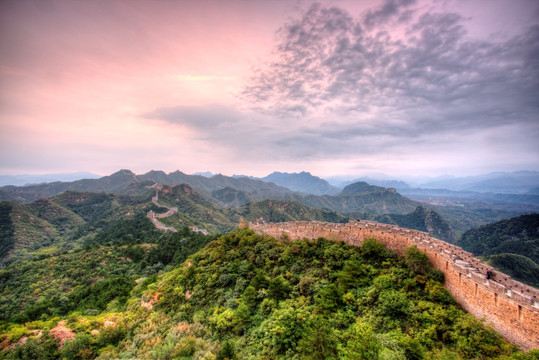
<point>227,352</point>
<point>319,341</point>
<point>362,345</point>
<point>417,261</point>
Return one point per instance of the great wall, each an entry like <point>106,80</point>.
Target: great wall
<point>509,306</point>
<point>154,217</point>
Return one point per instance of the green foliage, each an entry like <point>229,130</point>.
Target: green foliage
<point>375,252</point>
<point>517,266</point>
<point>394,303</point>
<point>474,340</point>
<point>278,288</point>
<point>329,298</point>
<point>227,352</point>
<point>35,349</point>
<point>417,261</point>
<point>91,279</point>
<point>518,235</point>
<point>101,293</point>
<point>319,341</point>
<point>361,343</point>
<point>7,239</point>
<point>242,297</point>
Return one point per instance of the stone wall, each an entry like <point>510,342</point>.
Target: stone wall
<point>509,306</point>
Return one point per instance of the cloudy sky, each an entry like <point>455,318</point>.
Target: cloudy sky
<point>249,87</point>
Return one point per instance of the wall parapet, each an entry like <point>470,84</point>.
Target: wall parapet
<point>510,307</point>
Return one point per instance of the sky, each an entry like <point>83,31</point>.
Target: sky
<point>400,87</point>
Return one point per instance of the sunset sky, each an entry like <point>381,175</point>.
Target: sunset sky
<point>250,87</point>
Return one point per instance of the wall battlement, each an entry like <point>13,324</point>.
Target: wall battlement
<point>510,307</point>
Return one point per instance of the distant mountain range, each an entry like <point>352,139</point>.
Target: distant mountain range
<point>459,210</point>
<point>519,182</point>
<point>21,180</point>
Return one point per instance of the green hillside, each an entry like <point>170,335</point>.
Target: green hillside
<point>61,222</point>
<point>281,211</point>
<point>56,284</point>
<point>241,297</point>
<point>518,267</point>
<point>518,235</point>
<point>511,245</point>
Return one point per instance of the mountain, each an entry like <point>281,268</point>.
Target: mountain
<point>240,296</point>
<point>396,184</point>
<point>302,182</point>
<point>462,210</point>
<point>21,180</point>
<point>364,198</point>
<point>361,187</point>
<point>121,182</point>
<point>280,211</point>
<point>207,174</point>
<point>421,219</point>
<point>70,218</point>
<point>195,210</point>
<point>58,222</point>
<point>127,182</point>
<point>229,197</point>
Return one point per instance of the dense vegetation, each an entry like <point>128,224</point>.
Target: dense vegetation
<point>91,277</point>
<point>518,235</point>
<point>518,267</point>
<point>7,238</point>
<point>250,297</point>
<point>502,241</point>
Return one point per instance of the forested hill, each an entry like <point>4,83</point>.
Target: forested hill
<point>421,219</point>
<point>510,245</point>
<point>359,200</point>
<point>241,297</point>
<point>66,221</point>
<point>518,235</point>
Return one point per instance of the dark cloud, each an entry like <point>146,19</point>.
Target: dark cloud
<point>342,86</point>
<point>389,10</point>
<point>430,75</point>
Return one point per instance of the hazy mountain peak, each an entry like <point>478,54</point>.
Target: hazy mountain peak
<point>122,172</point>
<point>301,182</point>
<point>360,187</point>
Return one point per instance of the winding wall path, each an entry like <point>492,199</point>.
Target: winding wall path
<point>509,306</point>
<point>153,216</point>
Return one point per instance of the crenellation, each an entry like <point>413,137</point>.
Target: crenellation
<point>510,307</point>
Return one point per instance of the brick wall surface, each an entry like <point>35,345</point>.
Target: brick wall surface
<point>510,307</point>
